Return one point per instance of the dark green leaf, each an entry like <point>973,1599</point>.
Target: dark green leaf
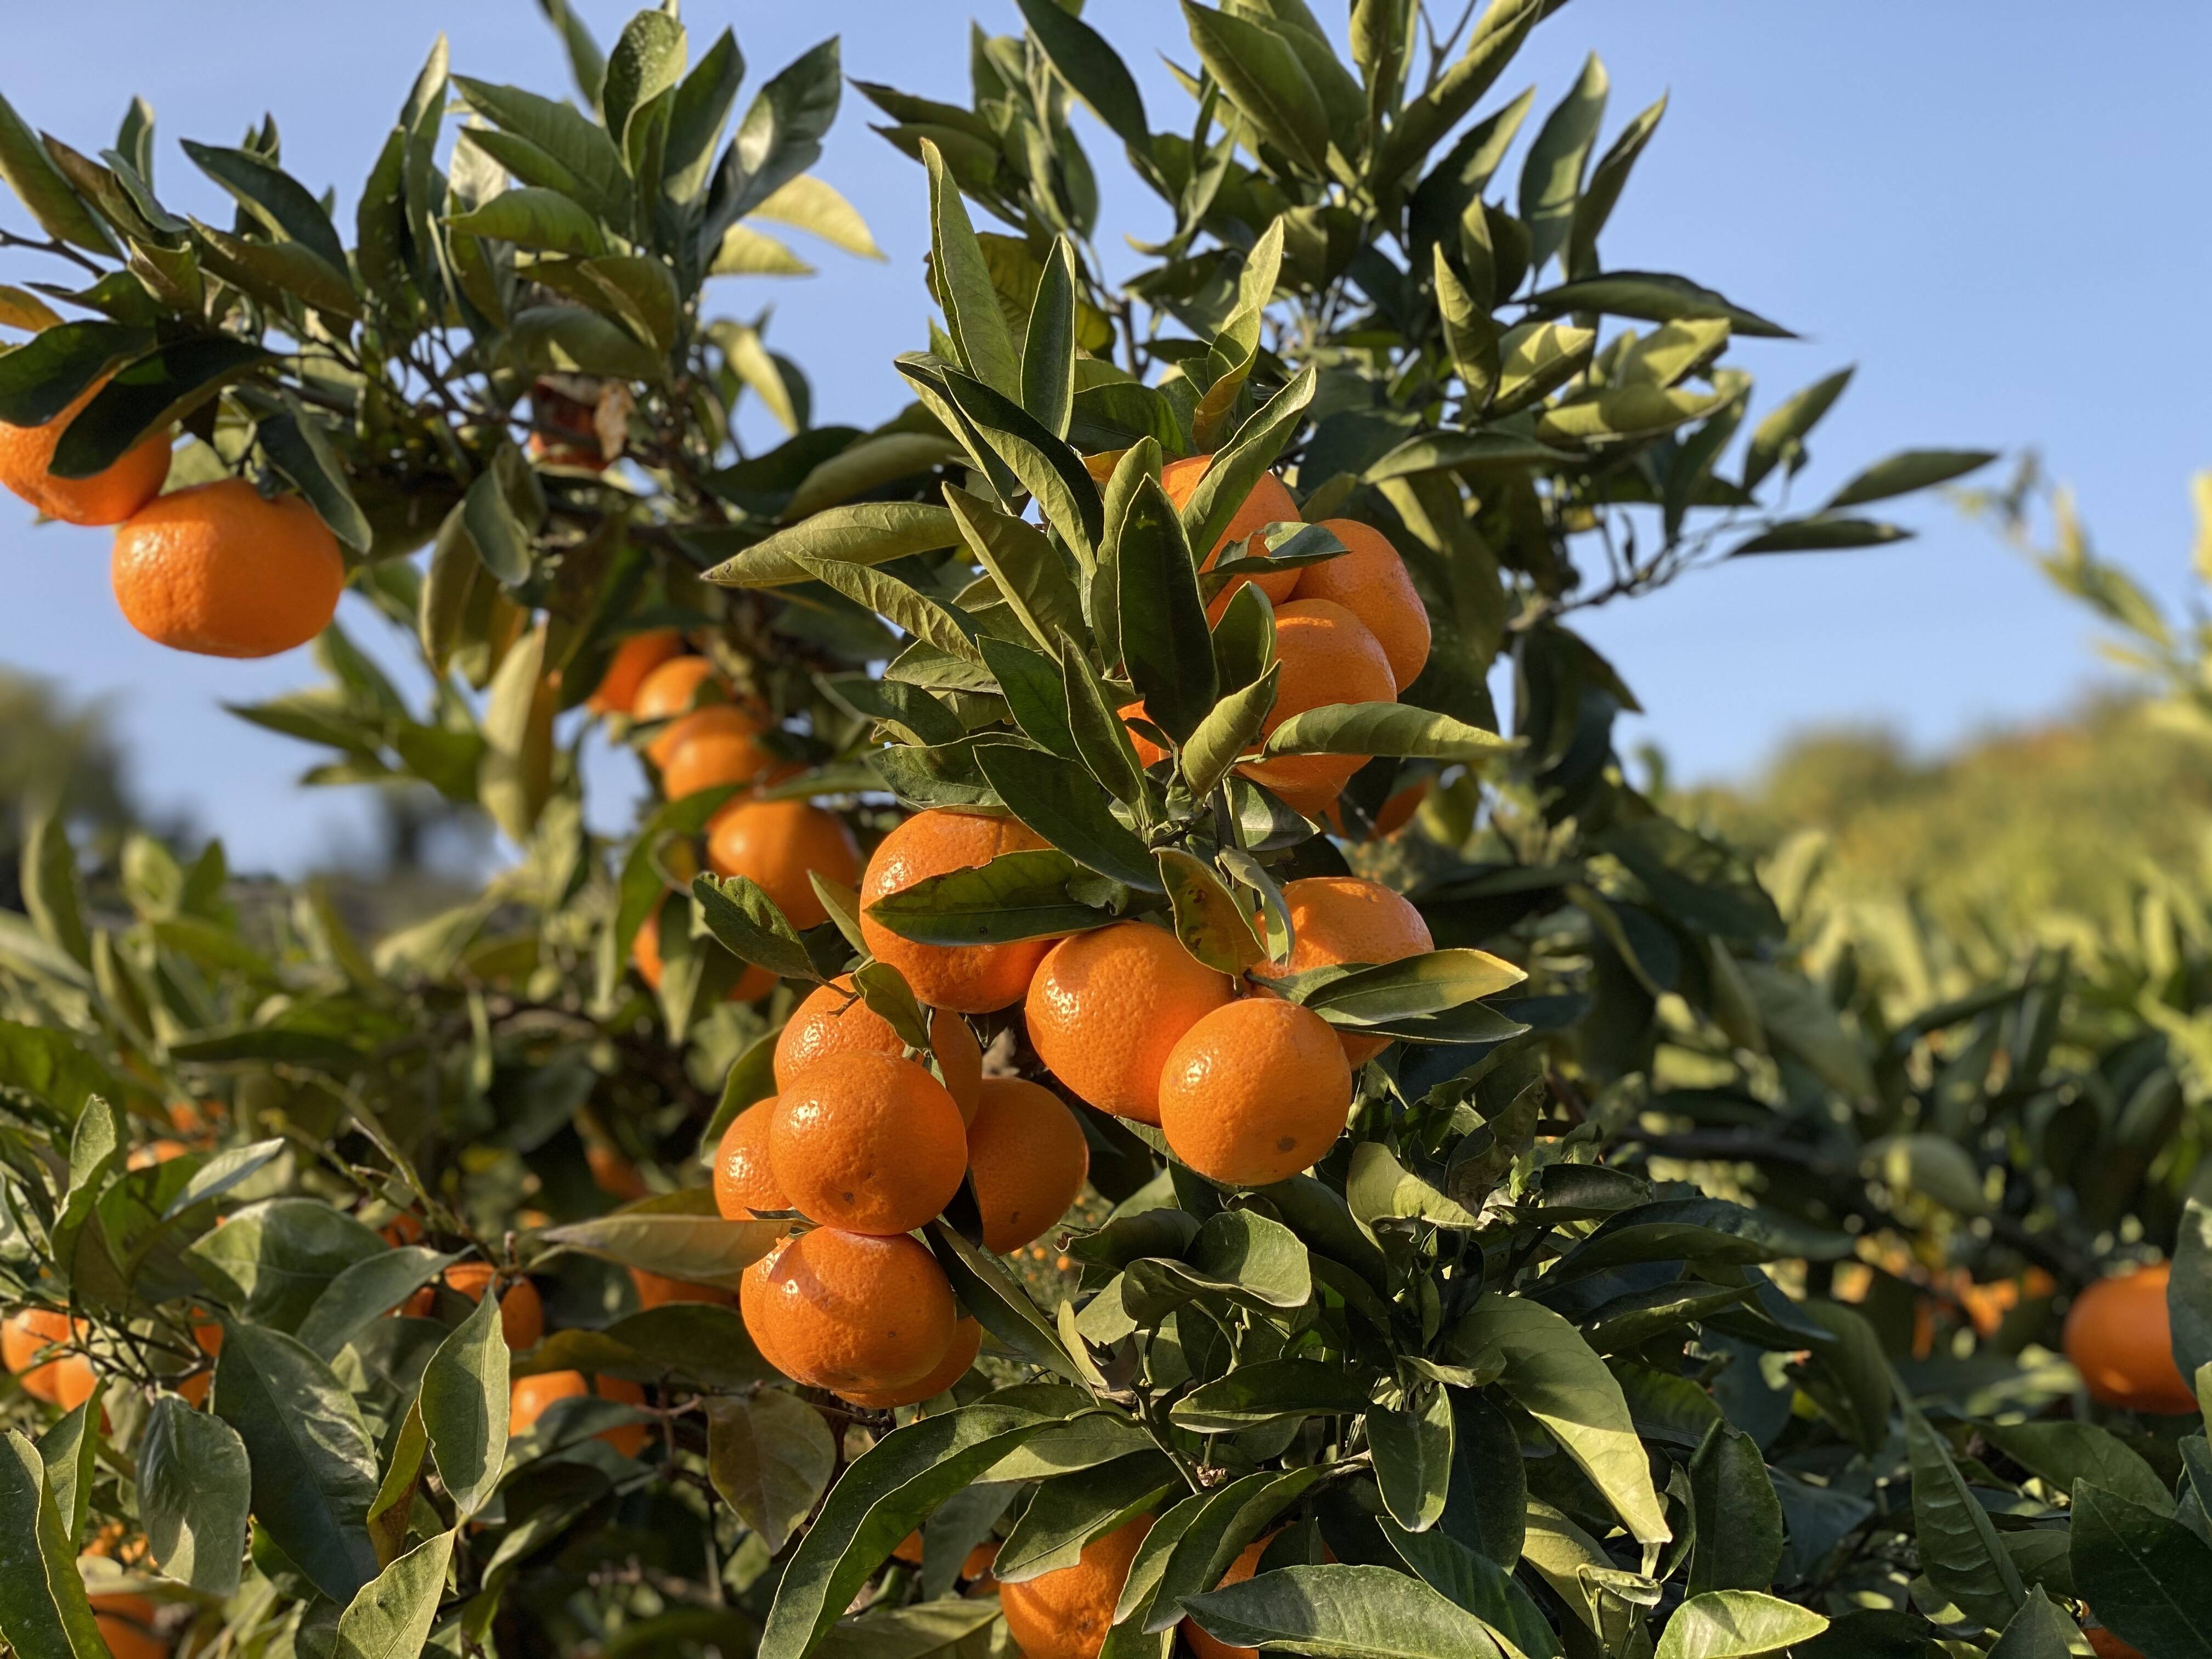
<point>1060,801</point>
<point>1960,1549</point>
<point>147,396</point>
<point>1821,534</point>
<point>1780,438</point>
<point>45,375</point>
<point>1265,78</point>
<point>744,919</point>
<point>1267,1389</point>
<point>1907,470</point>
<point>1342,1613</point>
<point>195,1486</point>
<point>2142,1573</point>
<point>865,532</point>
<point>297,448</point>
<point>1650,296</point>
<point>964,286</point>
<point>770,1458</point>
<point>1016,896</point>
<point>1249,1258</point>
<point>1739,1518</point>
<point>465,1406</point>
<point>283,206</point>
<point>1164,633</point>
<point>392,1617</point>
<point>1412,1450</point>
<point>39,185</point>
<point>1552,177</point>
<point>1092,68</point>
<point>44,1613</point>
<point>1049,347</point>
<point>1068,1512</point>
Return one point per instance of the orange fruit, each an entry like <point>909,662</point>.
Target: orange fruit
<point>1207,1647</point>
<point>106,497</point>
<point>23,1336</point>
<point>155,1152</point>
<point>193,1389</point>
<point>1268,503</point>
<point>670,690</point>
<point>867,1143</point>
<point>73,1380</point>
<point>1340,919</point>
<point>521,1313</point>
<point>777,844</point>
<point>1370,581</point>
<point>1101,465</point>
<point>909,1549</point>
<point>967,1343</point>
<point>1256,1092</point>
<point>849,1311</point>
<point>970,979</point>
<point>529,1396</point>
<point>2119,1337</point>
<point>216,570</point>
<point>752,985</point>
<point>402,1229</point>
<point>1105,1007</point>
<point>978,1564</point>
<point>613,1173</point>
<point>1327,656</point>
<point>1066,1614</point>
<point>1028,1159</point>
<point>743,1181</point>
<point>125,1623</point>
<point>2107,1645</point>
<point>658,1290</point>
<point>710,747</point>
<point>633,660</point>
<point>833,1020</point>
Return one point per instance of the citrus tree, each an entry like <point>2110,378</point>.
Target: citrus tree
<point>1081,816</point>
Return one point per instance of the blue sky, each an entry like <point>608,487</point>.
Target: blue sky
<point>1996,211</point>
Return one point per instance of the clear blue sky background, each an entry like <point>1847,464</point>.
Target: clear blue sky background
<point>1997,210</point>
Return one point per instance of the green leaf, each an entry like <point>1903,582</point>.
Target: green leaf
<point>1023,563</point>
<point>1060,801</point>
<point>2065,1454</point>
<point>1465,451</point>
<point>2188,1299</point>
<point>1475,1583</point>
<point>695,123</point>
<point>283,207</point>
<point>1267,1389</point>
<point>276,273</point>
<point>678,1235</point>
<point>274,1259</point>
<point>1413,1455</point>
<point>864,532</point>
<point>1092,69</point>
<point>745,920</point>
<point>2038,1630</point>
<point>1016,896</point>
<point>1095,727</point>
<point>808,203</point>
<point>576,152</point>
<point>44,1613</point>
<point>1163,633</point>
<point>465,1406</point>
<point>390,1618</point>
<point>1377,1187</point>
<point>1907,470</point>
<point>1049,347</point>
<point>1711,1230</point>
<point>195,1486</point>
<point>1739,1518</point>
<point>297,448</point>
<point>1497,37</point>
<point>1736,1624</point>
<point>44,375</point>
<point>53,889</point>
<point>1236,466</point>
<point>532,217</point>
<point>368,1289</point>
<point>770,1457</point>
<point>570,340</point>
<point>1230,727</point>
<point>1650,296</point>
<point>1960,1549</point>
<point>1264,77</point>
<point>1552,1374</point>
<point>1470,336</point>
<point>892,599</point>
<point>1606,182</point>
<point>1250,1259</point>
<point>1211,926</point>
<point>1780,437</point>
<point>1002,1307</point>
<point>647,60</point>
<point>1071,1511</point>
<point>778,139</point>
<point>314,1463</point>
<point>978,327</point>
<point>2143,1573</point>
<point>1342,1613</point>
<point>1821,534</point>
<point>39,185</point>
<point>1434,982</point>
<point>147,396</point>
<point>1552,177</point>
<point>1383,728</point>
<point>883,1496</point>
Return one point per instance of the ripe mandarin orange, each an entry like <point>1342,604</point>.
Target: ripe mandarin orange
<point>521,1312</point>
<point>674,688</point>
<point>908,1548</point>
<point>1370,581</point>
<point>155,1152</point>
<point>970,979</point>
<point>529,1398</point>
<point>752,985</point>
<point>1256,1092</point>
<point>849,1311</point>
<point>125,1623</point>
<point>743,1181</point>
<point>23,1336</point>
<point>833,1020</point>
<point>658,1290</point>
<point>777,844</point>
<point>2120,1338</point>
<point>967,1343</point>
<point>2105,1645</point>
<point>1105,1007</point>
<point>106,497</point>
<point>1327,656</point>
<point>633,660</point>
<point>74,1381</point>
<point>216,570</point>
<point>1066,1614</point>
<point>867,1143</point>
<point>1208,1647</point>
<point>979,1560</point>
<point>712,746</point>
<point>1338,919</point>
<point>1268,503</point>
<point>1028,1160</point>
<point>613,1173</point>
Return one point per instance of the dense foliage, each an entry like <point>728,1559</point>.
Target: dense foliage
<point>1674,1290</point>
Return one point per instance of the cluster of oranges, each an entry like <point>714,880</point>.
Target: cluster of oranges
<point>216,568</point>
<point>1351,629</point>
<point>702,736</point>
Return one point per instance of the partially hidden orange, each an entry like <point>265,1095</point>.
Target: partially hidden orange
<point>778,844</point>
<point>1341,919</point>
<point>867,1143</point>
<point>1105,1007</point>
<point>2119,1337</point>
<point>108,496</point>
<point>1066,1614</point>
<point>712,746</point>
<point>1368,579</point>
<point>833,1020</point>
<point>969,979</point>
<point>743,1180</point>
<point>967,1343</point>
<point>1267,502</point>
<point>1027,1160</point>
<point>632,660</point>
